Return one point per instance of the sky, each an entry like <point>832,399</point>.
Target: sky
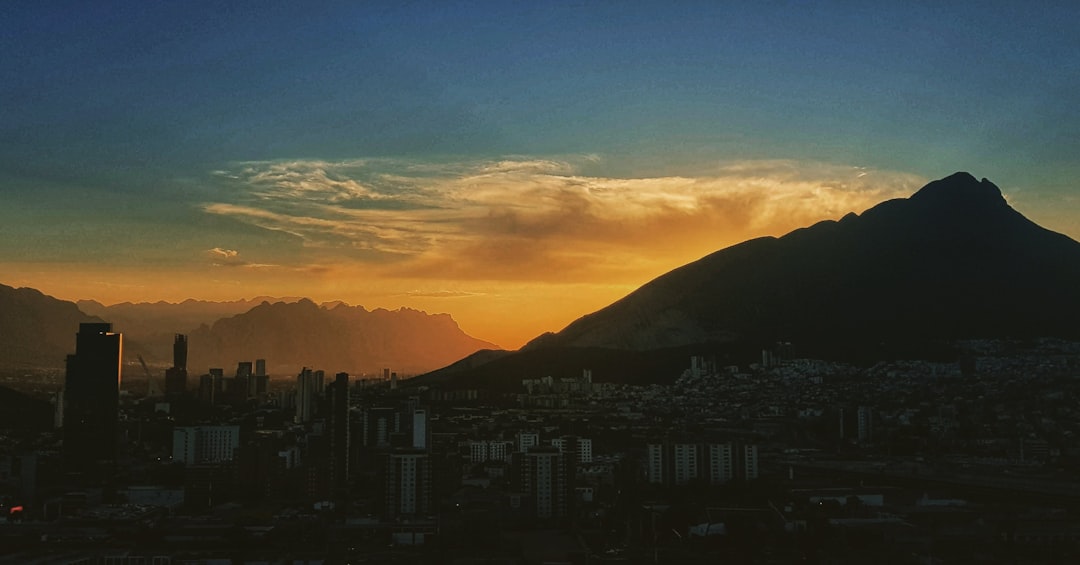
<point>515,164</point>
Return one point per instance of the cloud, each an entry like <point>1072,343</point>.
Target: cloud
<point>220,257</point>
<point>522,218</point>
<point>443,294</point>
<point>224,257</point>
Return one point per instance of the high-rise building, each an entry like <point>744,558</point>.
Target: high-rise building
<point>305,396</point>
<point>419,429</point>
<point>207,393</point>
<point>176,376</point>
<point>338,400</point>
<point>541,475</point>
<point>92,398</point>
<point>180,351</point>
<point>259,380</point>
<point>407,484</point>
<point>241,384</point>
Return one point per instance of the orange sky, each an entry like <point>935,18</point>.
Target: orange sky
<point>514,165</point>
<point>510,248</point>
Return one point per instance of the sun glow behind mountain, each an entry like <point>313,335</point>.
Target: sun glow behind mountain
<point>513,165</point>
<point>512,247</point>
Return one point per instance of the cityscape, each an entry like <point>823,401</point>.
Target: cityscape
<point>779,460</point>
<point>539,283</point>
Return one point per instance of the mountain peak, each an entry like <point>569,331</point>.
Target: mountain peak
<point>960,190</point>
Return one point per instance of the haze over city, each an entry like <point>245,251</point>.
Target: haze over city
<point>514,165</point>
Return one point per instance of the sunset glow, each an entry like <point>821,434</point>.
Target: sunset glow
<point>514,167</point>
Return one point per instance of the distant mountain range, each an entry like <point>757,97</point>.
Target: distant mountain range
<point>151,318</point>
<point>952,261</point>
<point>335,337</point>
<point>37,330</point>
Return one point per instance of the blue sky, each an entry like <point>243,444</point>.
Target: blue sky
<point>132,134</point>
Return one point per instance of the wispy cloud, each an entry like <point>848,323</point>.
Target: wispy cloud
<point>220,257</point>
<point>224,257</point>
<point>525,218</point>
<point>443,294</point>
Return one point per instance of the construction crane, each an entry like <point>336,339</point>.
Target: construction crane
<point>151,388</point>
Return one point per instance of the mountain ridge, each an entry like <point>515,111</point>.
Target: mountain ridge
<point>38,331</point>
<point>958,232</point>
<point>952,261</point>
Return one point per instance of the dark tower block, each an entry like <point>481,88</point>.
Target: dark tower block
<point>92,400</point>
<point>338,397</point>
<point>176,376</point>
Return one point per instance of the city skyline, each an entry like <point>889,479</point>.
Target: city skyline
<point>515,166</point>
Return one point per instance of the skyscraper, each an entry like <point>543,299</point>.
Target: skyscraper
<point>176,376</point>
<point>92,399</point>
<point>338,399</point>
<point>259,380</point>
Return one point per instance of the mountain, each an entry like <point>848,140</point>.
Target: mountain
<point>952,261</point>
<point>335,337</point>
<point>152,325</point>
<point>37,330</point>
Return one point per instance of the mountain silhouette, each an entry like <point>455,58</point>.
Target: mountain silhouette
<point>334,337</point>
<point>37,330</point>
<point>149,327</point>
<point>952,261</point>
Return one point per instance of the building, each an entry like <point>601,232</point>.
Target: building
<point>380,424</point>
<point>857,424</point>
<point>654,463</point>
<point>407,484</point>
<point>541,476</point>
<point>672,463</point>
<point>197,445</point>
<point>749,462</point>
<point>419,429</point>
<point>307,390</point>
<point>260,380</point>
<point>721,457</point>
<point>207,395</point>
<point>484,451</point>
<point>92,398</point>
<point>582,447</point>
<point>338,399</point>
<point>176,376</point>
<point>525,440</point>
<point>684,462</point>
